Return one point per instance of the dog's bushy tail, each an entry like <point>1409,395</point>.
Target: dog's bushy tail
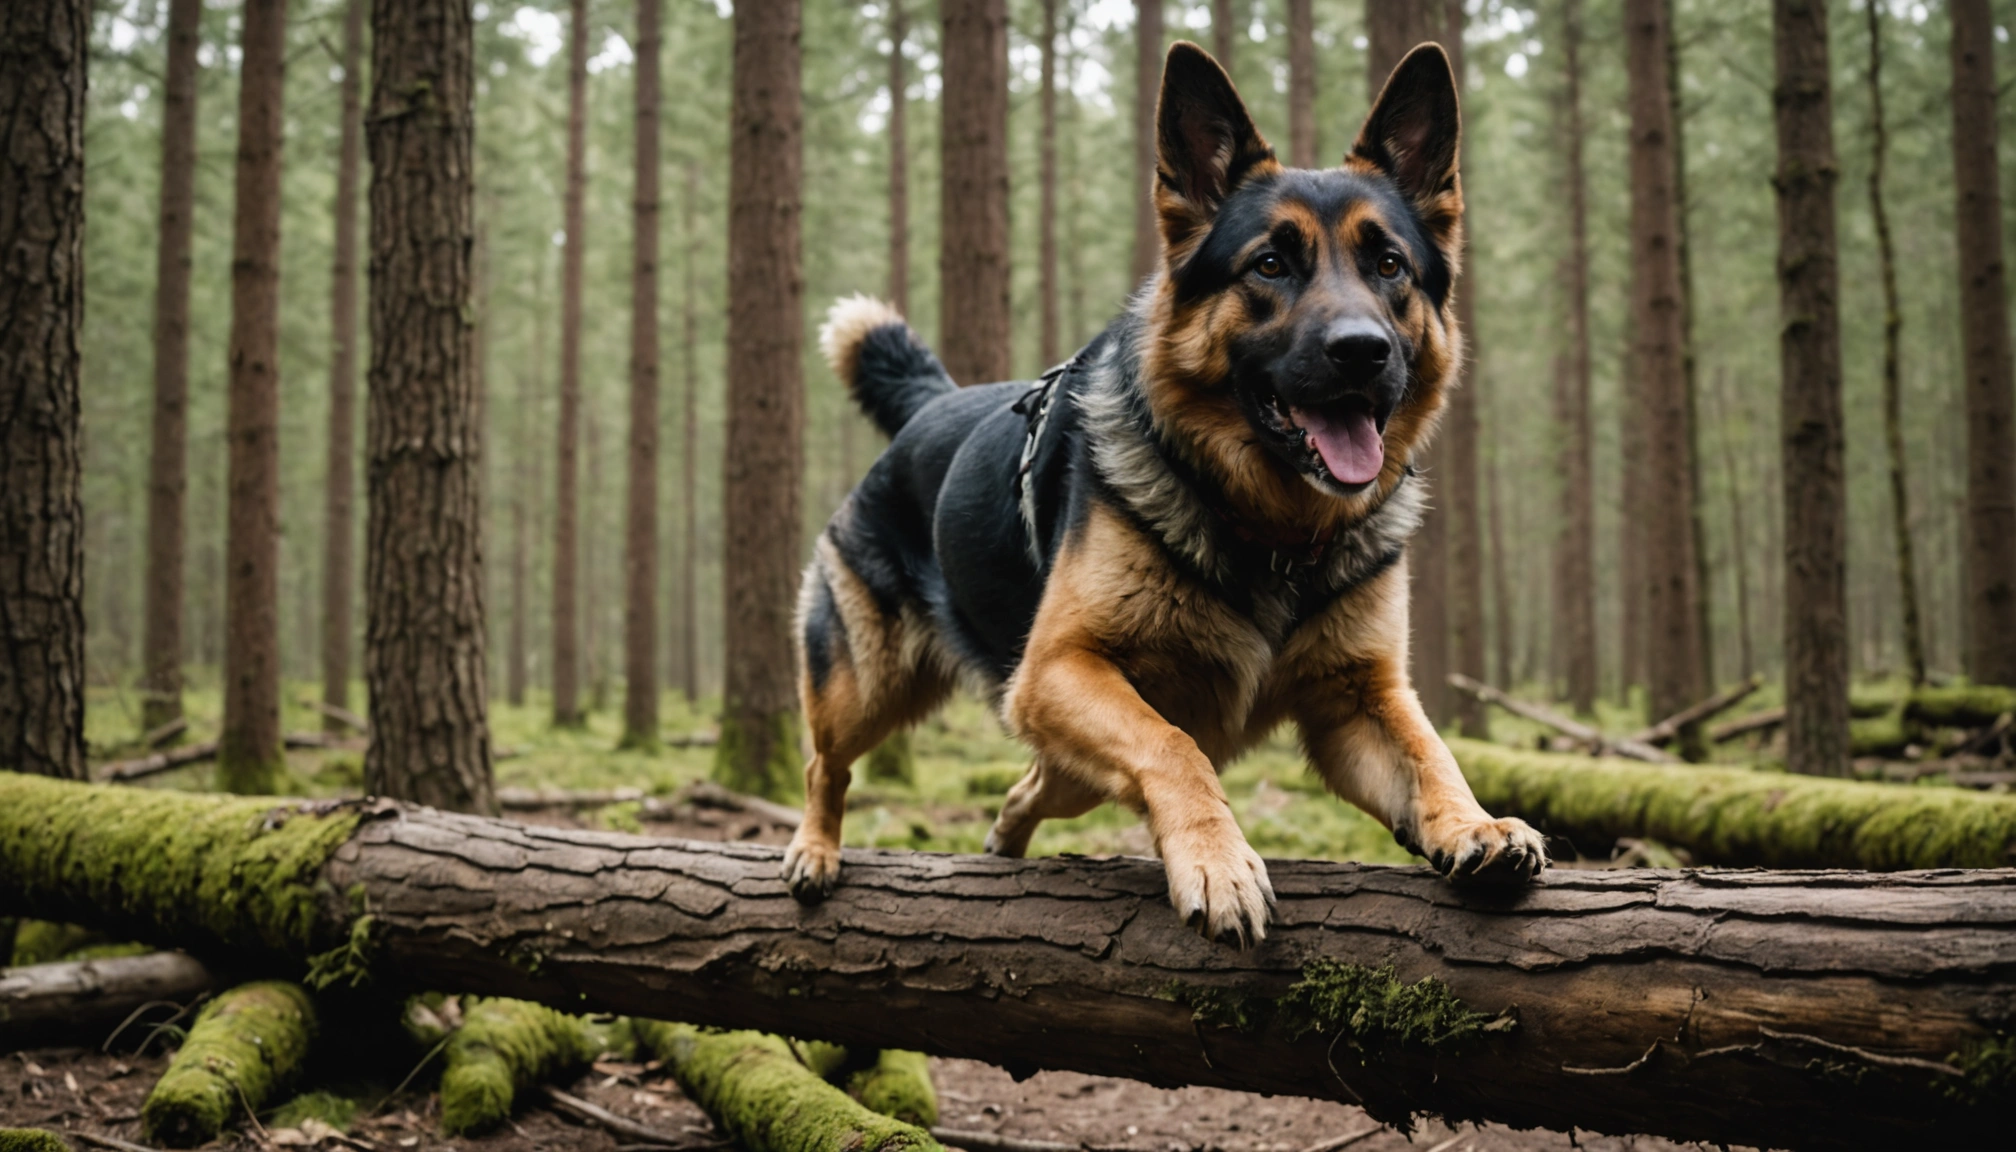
<point>883,363</point>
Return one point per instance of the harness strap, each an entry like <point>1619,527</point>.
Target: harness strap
<point>1034,408</point>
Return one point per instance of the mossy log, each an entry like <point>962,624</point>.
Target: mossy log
<point>506,1046</point>
<point>1736,816</point>
<point>248,1045</point>
<point>1960,707</point>
<point>898,1084</point>
<point>31,1140</point>
<point>759,1091</point>
<point>82,1001</point>
<point>1821,1010</point>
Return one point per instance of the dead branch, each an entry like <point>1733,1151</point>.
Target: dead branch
<point>1593,740</point>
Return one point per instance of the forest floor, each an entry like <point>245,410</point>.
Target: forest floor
<point>964,763</point>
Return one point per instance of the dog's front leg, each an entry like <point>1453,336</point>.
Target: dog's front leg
<point>1085,718</point>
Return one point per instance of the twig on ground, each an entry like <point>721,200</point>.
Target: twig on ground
<point>1346,1140</point>
<point>1594,740</point>
<point>123,771</point>
<point>112,1142</point>
<point>594,1114</point>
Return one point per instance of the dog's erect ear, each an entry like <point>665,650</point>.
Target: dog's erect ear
<point>1205,144</point>
<point>1413,133</point>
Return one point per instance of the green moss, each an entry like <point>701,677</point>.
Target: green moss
<point>347,965</point>
<point>898,1085</point>
<point>893,761</point>
<point>107,951</point>
<point>336,1111</point>
<point>1970,706</point>
<point>31,1140</point>
<point>248,771</point>
<point>1371,1008</point>
<point>504,1046</point>
<point>1222,1007</point>
<point>758,1092</point>
<point>625,817</point>
<point>826,1060</point>
<point>1989,1068</point>
<point>1744,817</point>
<point>1886,735</point>
<point>245,1047</point>
<point>204,872</point>
<point>46,942</point>
<point>761,760</point>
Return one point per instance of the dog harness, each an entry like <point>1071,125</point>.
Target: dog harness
<point>1034,408</point>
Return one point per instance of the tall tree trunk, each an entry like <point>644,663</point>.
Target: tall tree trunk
<point>517,671</point>
<point>899,159</point>
<point>1464,581</point>
<point>1739,540</point>
<point>594,672</point>
<point>248,748</point>
<point>1224,27</point>
<point>1501,585</point>
<point>1147,88</point>
<point>973,253</point>
<point>1697,511</point>
<point>1984,333</point>
<point>168,468</point>
<point>1575,546</point>
<point>1392,28</point>
<point>689,449</point>
<point>640,529</point>
<point>1302,84</point>
<point>1047,345</point>
<point>1893,389</point>
<point>566,626</point>
<point>766,302</point>
<point>1816,518</point>
<point>338,531</point>
<point>424,663</point>
<point>1074,199</point>
<point>43,52</point>
<point>1673,649</point>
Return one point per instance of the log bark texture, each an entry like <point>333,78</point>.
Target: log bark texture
<point>67,1003</point>
<point>1795,1010</point>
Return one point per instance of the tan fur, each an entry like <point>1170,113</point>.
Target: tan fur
<point>848,322</point>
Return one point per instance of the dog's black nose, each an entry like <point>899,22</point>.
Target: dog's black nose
<point>1357,346</point>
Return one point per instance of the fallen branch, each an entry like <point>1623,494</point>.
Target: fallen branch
<point>594,1114</point>
<point>1668,730</point>
<point>1960,707</point>
<point>155,737</point>
<point>343,716</point>
<point>31,1140</point>
<point>55,1003</point>
<point>126,771</point>
<point>1620,1001</point>
<point>1744,725</point>
<point>1595,741</point>
<point>503,1048</point>
<point>247,1045</point>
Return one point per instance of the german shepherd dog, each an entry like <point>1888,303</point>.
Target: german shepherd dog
<point>1193,531</point>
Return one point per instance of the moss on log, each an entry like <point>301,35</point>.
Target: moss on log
<point>758,1091</point>
<point>31,1140</point>
<point>46,942</point>
<point>1743,817</point>
<point>1973,706</point>
<point>506,1046</point>
<point>898,1085</point>
<point>246,1047</point>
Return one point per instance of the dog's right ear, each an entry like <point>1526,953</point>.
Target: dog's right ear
<point>1205,145</point>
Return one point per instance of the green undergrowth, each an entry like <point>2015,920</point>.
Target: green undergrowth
<point>245,1048</point>
<point>334,1109</point>
<point>1371,1009</point>
<point>31,1140</point>
<point>505,1046</point>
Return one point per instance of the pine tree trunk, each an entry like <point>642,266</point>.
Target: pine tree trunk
<point>1074,200</point>
<point>973,254</point>
<point>1697,519</point>
<point>758,752</point>
<point>526,485</point>
<point>1893,388</point>
<point>1147,89</point>
<point>689,454</point>
<point>1048,350</point>
<point>1739,538</point>
<point>337,524</point>
<point>1816,521</point>
<point>1301,84</point>
<point>249,756</point>
<point>1464,576</point>
<point>640,534</point>
<point>43,52</point>
<point>899,160</point>
<point>1672,637</point>
<point>566,625</point>
<point>168,467</point>
<point>1501,586</point>
<point>424,664</point>
<point>1575,547</point>
<point>1984,334</point>
<point>1224,28</point>
<point>1393,27</point>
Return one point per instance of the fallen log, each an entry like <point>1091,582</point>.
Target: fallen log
<point>248,1045</point>
<point>1668,730</point>
<point>1960,707</point>
<point>161,734</point>
<point>84,1001</point>
<point>1821,1010</point>
<point>1744,725</point>
<point>126,771</point>
<point>1594,740</point>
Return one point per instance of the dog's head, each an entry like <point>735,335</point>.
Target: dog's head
<point>1303,328</point>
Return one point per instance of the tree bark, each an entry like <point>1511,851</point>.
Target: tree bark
<point>524,483</point>
<point>1302,85</point>
<point>1816,520</point>
<point>168,466</point>
<point>424,664</point>
<point>1769,1009</point>
<point>1697,511</point>
<point>1147,89</point>
<point>1048,343</point>
<point>689,455</point>
<point>60,1004</point>
<point>973,254</point>
<point>1739,546</point>
<point>640,536</point>
<point>758,752</point>
<point>249,757</point>
<point>337,521</point>
<point>1464,576</point>
<point>1893,388</point>
<point>43,52</point>
<point>1575,546</point>
<point>1501,585</point>
<point>1224,30</point>
<point>899,159</point>
<point>566,675</point>
<point>1393,28</point>
<point>1985,345</point>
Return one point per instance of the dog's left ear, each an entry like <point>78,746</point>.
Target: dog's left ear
<point>1205,145</point>
<point>1413,134</point>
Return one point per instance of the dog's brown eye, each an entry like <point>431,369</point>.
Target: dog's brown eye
<point>1389,265</point>
<point>1270,266</point>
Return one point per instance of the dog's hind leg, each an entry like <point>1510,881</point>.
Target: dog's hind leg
<point>1046,792</point>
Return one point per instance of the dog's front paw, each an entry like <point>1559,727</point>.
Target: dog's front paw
<point>1218,884</point>
<point>811,867</point>
<point>1483,851</point>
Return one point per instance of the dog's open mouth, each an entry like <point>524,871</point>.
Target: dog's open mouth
<point>1344,438</point>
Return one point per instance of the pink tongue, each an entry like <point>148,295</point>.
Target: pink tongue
<point>1347,439</point>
